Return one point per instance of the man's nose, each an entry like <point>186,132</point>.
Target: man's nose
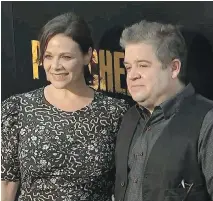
<point>133,74</point>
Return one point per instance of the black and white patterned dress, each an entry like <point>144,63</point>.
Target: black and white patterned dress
<point>57,155</point>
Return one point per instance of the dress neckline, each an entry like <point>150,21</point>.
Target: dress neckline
<point>44,101</point>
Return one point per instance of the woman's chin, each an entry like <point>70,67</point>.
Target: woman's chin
<point>60,85</point>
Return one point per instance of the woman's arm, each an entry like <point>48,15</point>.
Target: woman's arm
<point>10,129</point>
<point>8,190</point>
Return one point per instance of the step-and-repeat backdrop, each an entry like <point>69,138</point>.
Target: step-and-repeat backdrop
<point>22,21</point>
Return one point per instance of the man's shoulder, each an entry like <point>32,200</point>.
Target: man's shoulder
<point>204,100</point>
<point>132,113</point>
<point>209,104</point>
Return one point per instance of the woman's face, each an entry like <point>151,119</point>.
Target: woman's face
<point>64,61</point>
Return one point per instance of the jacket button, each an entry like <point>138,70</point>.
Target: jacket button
<point>122,183</point>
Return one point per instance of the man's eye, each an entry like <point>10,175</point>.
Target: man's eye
<point>143,66</point>
<point>128,68</point>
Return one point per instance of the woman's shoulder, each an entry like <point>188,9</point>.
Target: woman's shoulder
<point>13,102</point>
<point>113,102</point>
<point>36,93</point>
<point>26,95</point>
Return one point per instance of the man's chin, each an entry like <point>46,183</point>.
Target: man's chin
<point>138,99</point>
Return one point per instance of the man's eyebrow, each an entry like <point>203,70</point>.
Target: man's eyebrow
<point>143,60</point>
<point>138,61</point>
<point>125,62</point>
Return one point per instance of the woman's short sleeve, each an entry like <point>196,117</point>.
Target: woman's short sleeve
<point>9,139</point>
<point>120,108</point>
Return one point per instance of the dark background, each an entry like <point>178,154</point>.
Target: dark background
<point>22,21</point>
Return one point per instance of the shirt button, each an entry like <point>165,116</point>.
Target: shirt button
<point>148,128</point>
<point>122,183</point>
<point>136,180</point>
<point>141,154</point>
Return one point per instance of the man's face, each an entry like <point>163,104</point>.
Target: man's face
<point>147,81</point>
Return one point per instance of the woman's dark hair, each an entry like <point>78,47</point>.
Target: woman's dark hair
<point>72,26</point>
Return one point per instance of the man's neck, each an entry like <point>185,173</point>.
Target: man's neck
<point>173,91</point>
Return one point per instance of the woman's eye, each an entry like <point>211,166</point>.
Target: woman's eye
<point>47,56</point>
<point>66,57</point>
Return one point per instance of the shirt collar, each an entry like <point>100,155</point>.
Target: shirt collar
<point>170,106</point>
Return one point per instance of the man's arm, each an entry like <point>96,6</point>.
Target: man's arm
<point>205,151</point>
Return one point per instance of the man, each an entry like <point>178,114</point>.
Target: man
<point>164,148</point>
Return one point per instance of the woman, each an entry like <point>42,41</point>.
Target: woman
<point>58,141</point>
